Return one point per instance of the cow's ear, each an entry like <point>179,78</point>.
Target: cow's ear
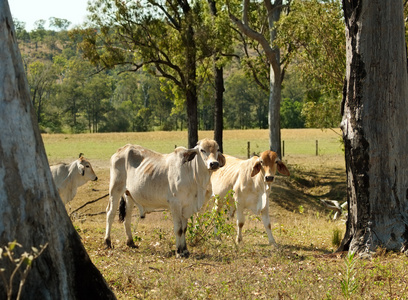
<point>282,168</point>
<point>189,155</point>
<point>221,159</point>
<point>81,168</point>
<point>256,168</point>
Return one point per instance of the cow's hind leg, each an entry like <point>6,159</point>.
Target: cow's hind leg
<point>125,215</point>
<point>267,223</point>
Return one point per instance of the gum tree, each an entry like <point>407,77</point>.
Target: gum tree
<point>375,110</point>
<point>31,211</point>
<point>266,38</point>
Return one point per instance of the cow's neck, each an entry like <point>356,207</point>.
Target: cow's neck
<point>75,178</point>
<point>203,177</point>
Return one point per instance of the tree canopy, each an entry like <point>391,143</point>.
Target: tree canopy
<point>127,68</point>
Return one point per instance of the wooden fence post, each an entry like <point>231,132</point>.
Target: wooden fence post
<point>283,148</point>
<point>249,149</point>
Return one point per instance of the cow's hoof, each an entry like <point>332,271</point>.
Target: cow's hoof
<point>182,254</point>
<point>131,244</point>
<point>108,244</point>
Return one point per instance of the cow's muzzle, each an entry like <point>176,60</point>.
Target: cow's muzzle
<point>269,178</point>
<point>214,165</point>
<point>96,178</point>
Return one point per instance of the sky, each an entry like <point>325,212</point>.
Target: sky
<point>29,11</point>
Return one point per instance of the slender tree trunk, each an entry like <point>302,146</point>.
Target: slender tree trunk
<point>274,111</point>
<point>275,78</point>
<point>375,110</point>
<point>219,90</point>
<point>218,107</point>
<point>273,55</point>
<point>191,76</point>
<point>31,211</point>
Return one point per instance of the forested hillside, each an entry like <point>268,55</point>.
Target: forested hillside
<point>72,93</point>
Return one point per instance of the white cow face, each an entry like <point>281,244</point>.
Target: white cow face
<point>269,162</point>
<point>210,154</point>
<point>85,169</point>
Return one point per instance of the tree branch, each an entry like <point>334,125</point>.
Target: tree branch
<point>248,31</point>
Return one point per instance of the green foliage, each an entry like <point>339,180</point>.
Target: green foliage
<point>349,284</point>
<point>21,265</point>
<point>291,114</point>
<point>74,95</point>
<point>247,103</point>
<point>336,237</point>
<point>211,222</point>
<point>322,111</point>
<point>313,34</point>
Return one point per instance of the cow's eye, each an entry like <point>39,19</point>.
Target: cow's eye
<point>87,166</point>
<point>202,151</point>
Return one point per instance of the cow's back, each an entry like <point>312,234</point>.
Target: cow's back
<point>224,179</point>
<point>59,173</point>
<point>144,173</point>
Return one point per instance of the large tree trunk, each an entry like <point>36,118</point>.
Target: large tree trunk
<point>31,211</point>
<point>375,122</point>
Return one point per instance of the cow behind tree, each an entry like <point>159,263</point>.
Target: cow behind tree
<point>68,178</point>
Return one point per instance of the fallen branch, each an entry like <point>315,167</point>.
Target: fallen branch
<point>95,214</point>
<point>89,202</point>
<point>335,206</point>
<point>155,269</point>
<point>196,264</point>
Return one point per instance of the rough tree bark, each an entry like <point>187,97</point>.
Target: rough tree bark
<point>30,209</point>
<point>375,123</point>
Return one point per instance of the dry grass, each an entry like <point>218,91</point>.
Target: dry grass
<point>303,267</point>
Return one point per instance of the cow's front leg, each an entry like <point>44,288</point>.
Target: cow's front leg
<point>180,228</point>
<point>240,222</point>
<point>267,224</point>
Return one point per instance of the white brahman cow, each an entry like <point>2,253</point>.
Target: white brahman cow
<point>176,181</point>
<point>250,180</point>
<point>68,178</point>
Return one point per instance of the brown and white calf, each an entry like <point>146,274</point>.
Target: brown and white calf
<point>68,178</point>
<point>176,181</point>
<point>250,180</point>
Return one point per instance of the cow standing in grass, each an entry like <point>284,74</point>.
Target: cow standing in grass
<point>68,178</point>
<point>151,180</point>
<point>251,181</point>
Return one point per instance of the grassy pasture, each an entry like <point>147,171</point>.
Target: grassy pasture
<point>303,267</point>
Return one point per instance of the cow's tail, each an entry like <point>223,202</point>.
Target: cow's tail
<point>122,209</point>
